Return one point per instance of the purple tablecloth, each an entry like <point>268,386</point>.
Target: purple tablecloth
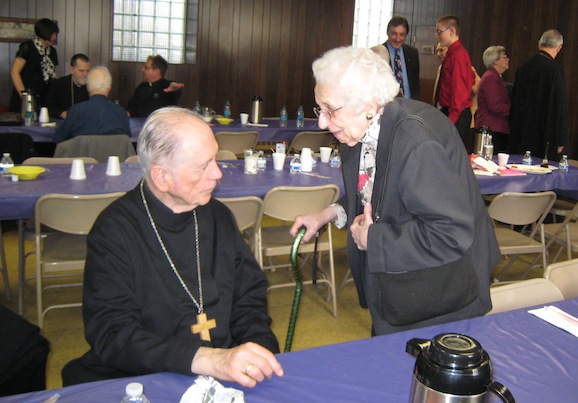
<point>17,199</point>
<point>272,133</point>
<point>567,181</point>
<point>235,183</point>
<point>535,360</point>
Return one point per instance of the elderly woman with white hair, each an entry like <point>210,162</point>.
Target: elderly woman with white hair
<point>420,245</point>
<point>493,98</point>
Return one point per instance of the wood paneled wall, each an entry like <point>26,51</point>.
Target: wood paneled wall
<point>244,48</point>
<point>515,24</point>
<point>84,28</point>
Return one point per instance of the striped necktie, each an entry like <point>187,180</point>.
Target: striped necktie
<point>397,69</point>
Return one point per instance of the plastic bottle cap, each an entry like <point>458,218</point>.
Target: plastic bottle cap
<point>134,389</point>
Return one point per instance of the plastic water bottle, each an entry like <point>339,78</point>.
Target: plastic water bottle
<point>261,161</point>
<point>5,164</point>
<point>227,111</point>
<point>295,164</point>
<point>527,159</point>
<point>335,159</point>
<point>283,117</point>
<point>300,116</point>
<point>563,165</point>
<point>134,394</point>
<point>197,108</point>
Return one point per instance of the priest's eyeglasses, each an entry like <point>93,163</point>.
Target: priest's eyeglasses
<point>327,113</point>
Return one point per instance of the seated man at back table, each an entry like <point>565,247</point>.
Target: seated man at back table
<point>156,91</point>
<point>170,284</point>
<point>98,115</point>
<point>69,90</point>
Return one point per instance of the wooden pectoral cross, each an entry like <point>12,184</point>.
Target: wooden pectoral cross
<point>203,326</point>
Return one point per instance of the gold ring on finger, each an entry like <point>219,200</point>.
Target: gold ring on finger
<point>248,368</point>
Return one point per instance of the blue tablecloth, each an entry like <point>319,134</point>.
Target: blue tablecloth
<point>535,360</point>
<point>17,199</point>
<point>567,181</point>
<point>271,133</point>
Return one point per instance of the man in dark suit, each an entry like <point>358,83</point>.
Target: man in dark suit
<point>69,90</point>
<point>539,114</point>
<point>402,58</point>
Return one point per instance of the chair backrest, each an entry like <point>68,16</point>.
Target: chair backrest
<point>565,276</point>
<point>226,155</point>
<point>247,210</point>
<point>99,147</point>
<point>312,140</point>
<point>72,214</point>
<point>521,208</point>
<point>54,161</point>
<point>19,145</point>
<point>522,294</point>
<point>132,158</point>
<point>237,142</point>
<point>287,202</point>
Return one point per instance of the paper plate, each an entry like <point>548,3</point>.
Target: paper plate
<point>530,169</point>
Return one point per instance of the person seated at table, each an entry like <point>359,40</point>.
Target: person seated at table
<point>69,90</point>
<point>169,283</point>
<point>23,355</point>
<point>98,115</point>
<point>420,244</point>
<point>156,91</point>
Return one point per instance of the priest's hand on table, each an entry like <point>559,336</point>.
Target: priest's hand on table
<point>246,364</point>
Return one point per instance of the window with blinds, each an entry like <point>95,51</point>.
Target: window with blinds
<point>149,27</point>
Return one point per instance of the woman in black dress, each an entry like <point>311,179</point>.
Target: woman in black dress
<point>35,63</point>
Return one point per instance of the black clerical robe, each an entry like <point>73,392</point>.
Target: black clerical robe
<point>148,97</point>
<point>137,315</point>
<point>539,112</point>
<point>62,94</point>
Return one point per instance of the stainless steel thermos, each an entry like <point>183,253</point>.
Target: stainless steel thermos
<point>452,368</point>
<point>256,115</point>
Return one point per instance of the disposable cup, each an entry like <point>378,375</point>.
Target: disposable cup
<point>113,166</point>
<point>503,159</point>
<point>278,161</point>
<point>306,160</point>
<point>77,171</point>
<point>244,118</point>
<point>43,117</point>
<point>251,164</point>
<point>325,153</point>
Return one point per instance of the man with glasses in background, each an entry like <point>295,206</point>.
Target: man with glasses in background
<point>454,91</point>
<point>401,57</point>
<point>155,92</point>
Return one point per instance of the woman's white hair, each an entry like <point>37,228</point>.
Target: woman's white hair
<point>358,75</point>
<point>491,55</point>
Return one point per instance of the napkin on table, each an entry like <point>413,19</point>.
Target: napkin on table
<point>558,318</point>
<point>207,389</point>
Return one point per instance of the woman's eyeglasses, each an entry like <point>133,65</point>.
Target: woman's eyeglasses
<point>325,112</point>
